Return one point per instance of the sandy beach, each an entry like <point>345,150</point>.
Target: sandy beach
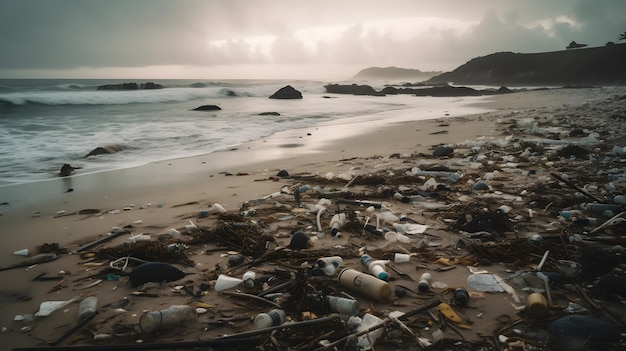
<point>158,197</point>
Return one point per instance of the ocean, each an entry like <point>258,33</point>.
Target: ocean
<point>47,123</point>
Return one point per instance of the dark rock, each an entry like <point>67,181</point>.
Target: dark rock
<point>578,132</point>
<point>151,85</point>
<point>207,108</point>
<point>480,186</point>
<point>444,91</point>
<point>287,92</point>
<point>235,260</point>
<point>131,86</point>
<point>66,170</point>
<point>587,327</point>
<point>154,272</point>
<point>299,241</point>
<point>573,150</point>
<point>109,149</point>
<point>269,114</point>
<point>613,284</point>
<point>282,174</point>
<point>442,151</point>
<point>353,89</point>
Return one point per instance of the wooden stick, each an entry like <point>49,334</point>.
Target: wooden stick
<point>577,188</point>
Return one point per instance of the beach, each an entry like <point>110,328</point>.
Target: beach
<point>155,198</point>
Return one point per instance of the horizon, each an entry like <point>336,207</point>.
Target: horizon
<point>278,39</point>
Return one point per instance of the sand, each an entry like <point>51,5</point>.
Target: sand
<point>166,195</point>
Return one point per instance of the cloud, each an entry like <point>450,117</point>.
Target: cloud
<point>429,35</point>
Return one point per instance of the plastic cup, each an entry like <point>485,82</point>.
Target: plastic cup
<point>401,258</point>
<point>22,252</point>
<point>225,282</point>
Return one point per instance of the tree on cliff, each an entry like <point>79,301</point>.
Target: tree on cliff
<point>622,36</point>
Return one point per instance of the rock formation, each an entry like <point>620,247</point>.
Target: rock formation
<point>287,92</point>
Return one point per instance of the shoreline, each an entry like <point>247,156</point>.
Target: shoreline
<point>203,177</point>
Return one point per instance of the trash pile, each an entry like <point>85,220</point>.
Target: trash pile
<point>509,243</point>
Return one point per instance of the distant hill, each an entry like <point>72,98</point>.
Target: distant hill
<point>586,66</point>
<point>394,73</point>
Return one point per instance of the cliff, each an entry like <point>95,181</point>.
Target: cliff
<point>585,66</point>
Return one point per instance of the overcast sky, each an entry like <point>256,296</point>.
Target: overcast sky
<point>291,39</point>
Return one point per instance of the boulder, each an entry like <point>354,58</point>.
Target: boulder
<point>287,92</point>
<point>207,108</point>
<point>354,89</point>
<point>66,170</point>
<point>442,151</point>
<point>130,86</point>
<point>108,149</point>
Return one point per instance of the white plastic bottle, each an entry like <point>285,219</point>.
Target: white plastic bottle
<point>336,223</point>
<point>272,318</point>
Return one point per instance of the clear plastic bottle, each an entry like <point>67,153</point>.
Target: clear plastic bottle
<point>168,318</point>
<point>272,318</point>
<point>87,308</point>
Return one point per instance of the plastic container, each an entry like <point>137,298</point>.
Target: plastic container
<point>272,318</point>
<point>168,318</point>
<point>365,284</point>
<point>329,264</point>
<point>393,236</point>
<point>248,279</point>
<point>604,210</point>
<point>537,306</point>
<point>336,223</point>
<point>423,284</point>
<point>375,267</point>
<point>87,308</point>
<point>343,305</point>
<point>225,282</point>
<point>461,297</point>
<point>401,258</point>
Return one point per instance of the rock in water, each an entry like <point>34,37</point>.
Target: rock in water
<point>207,108</point>
<point>155,272</point>
<point>287,92</point>
<point>108,149</point>
<point>66,170</point>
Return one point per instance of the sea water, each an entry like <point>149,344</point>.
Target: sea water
<point>47,123</point>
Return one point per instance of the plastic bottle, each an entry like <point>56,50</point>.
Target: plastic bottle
<point>248,279</point>
<point>365,284</point>
<point>87,308</point>
<point>168,318</point>
<point>461,297</point>
<point>376,267</point>
<point>270,319</point>
<point>537,306</point>
<point>343,306</point>
<point>424,283</point>
<point>336,223</point>
<point>605,210</point>
<point>329,264</point>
